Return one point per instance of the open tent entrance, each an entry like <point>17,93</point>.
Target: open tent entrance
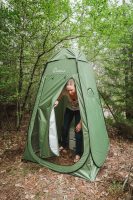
<point>55,134</point>
<point>40,145</point>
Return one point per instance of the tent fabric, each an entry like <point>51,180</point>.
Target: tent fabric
<point>60,68</point>
<point>53,138</point>
<point>69,54</point>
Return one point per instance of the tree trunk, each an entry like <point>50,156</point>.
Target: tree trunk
<point>129,85</point>
<point>20,83</point>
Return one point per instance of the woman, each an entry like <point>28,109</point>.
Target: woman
<point>72,110</point>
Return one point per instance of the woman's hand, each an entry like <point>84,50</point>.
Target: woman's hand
<point>56,103</point>
<point>78,127</point>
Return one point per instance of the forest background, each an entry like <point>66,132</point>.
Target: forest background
<point>32,31</point>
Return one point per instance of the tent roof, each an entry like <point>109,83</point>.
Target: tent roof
<point>69,54</point>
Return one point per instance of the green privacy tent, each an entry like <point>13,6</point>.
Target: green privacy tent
<point>67,64</point>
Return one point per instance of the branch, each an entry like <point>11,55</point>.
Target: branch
<point>108,106</point>
<point>60,23</point>
<point>64,39</point>
<point>52,29</point>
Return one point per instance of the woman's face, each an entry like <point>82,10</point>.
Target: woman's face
<point>71,90</point>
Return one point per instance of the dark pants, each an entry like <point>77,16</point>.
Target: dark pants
<point>69,114</point>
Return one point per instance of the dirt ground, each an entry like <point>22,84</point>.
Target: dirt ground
<point>27,180</point>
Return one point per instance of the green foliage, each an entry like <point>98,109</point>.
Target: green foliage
<point>32,30</point>
<point>115,188</point>
<point>28,30</point>
<point>110,47</point>
<point>7,85</point>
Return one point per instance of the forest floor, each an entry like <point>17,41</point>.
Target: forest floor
<point>27,180</point>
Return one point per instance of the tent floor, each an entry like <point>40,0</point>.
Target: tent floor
<point>64,158</point>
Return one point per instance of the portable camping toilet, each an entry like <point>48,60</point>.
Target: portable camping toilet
<point>67,64</point>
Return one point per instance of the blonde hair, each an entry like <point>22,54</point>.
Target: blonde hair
<point>70,82</point>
